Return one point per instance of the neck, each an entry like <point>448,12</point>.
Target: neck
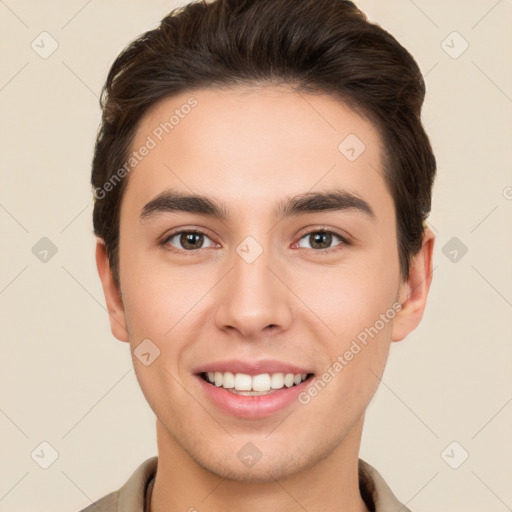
<point>331,485</point>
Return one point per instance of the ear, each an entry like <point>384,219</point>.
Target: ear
<point>413,292</point>
<point>112,293</point>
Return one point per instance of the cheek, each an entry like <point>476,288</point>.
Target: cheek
<point>150,296</point>
<point>346,299</point>
<point>166,307</point>
<point>354,312</point>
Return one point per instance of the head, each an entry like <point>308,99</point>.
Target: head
<point>295,126</point>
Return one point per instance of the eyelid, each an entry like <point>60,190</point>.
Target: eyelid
<point>345,239</point>
<point>325,229</point>
<point>168,236</point>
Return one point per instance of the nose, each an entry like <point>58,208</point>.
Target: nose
<point>253,298</point>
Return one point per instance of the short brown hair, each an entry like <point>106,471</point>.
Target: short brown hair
<point>315,46</point>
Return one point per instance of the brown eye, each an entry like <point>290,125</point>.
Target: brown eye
<point>322,240</point>
<point>187,240</point>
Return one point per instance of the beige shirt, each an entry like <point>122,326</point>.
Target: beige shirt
<point>132,495</point>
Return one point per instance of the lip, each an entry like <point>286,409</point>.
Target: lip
<point>251,407</point>
<point>252,367</point>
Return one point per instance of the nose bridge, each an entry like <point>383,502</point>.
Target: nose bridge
<point>252,296</point>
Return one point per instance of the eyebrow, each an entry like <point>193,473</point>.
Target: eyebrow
<point>301,204</point>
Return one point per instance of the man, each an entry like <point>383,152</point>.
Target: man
<point>262,180</point>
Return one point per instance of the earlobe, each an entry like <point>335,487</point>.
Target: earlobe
<point>413,292</point>
<point>113,299</point>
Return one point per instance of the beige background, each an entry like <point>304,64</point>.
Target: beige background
<point>65,379</point>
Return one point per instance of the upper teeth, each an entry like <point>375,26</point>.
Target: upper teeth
<point>262,382</point>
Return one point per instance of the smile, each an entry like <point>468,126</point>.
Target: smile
<point>253,385</point>
<point>248,391</point>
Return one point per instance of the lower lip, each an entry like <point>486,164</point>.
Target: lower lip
<point>252,407</point>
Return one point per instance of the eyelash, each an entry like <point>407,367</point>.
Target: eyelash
<point>192,252</point>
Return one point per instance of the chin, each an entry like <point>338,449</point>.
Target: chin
<point>261,472</point>
<point>271,465</point>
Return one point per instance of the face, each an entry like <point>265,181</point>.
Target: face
<point>260,277</point>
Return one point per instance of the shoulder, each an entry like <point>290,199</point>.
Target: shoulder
<point>383,497</point>
<point>108,503</point>
<point>130,497</point>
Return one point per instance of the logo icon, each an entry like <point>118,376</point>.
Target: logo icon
<point>44,45</point>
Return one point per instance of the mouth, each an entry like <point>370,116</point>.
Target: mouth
<point>247,392</point>
<point>254,385</point>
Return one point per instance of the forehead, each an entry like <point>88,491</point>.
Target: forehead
<point>249,147</point>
